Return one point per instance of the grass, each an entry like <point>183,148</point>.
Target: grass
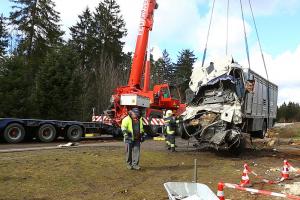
<point>100,173</point>
<point>290,131</point>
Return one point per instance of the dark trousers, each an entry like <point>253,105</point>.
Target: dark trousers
<point>133,153</point>
<point>170,140</point>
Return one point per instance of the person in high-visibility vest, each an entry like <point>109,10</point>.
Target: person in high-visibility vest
<point>133,131</point>
<point>170,127</point>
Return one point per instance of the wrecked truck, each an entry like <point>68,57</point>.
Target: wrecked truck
<point>227,101</point>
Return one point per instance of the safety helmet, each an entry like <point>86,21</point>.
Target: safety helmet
<point>169,113</point>
<point>136,111</point>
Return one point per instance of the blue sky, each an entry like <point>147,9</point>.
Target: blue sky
<point>181,24</point>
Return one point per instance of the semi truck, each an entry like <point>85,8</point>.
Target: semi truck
<point>227,100</point>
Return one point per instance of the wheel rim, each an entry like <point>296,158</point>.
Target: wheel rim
<point>15,133</point>
<point>75,133</point>
<point>47,133</point>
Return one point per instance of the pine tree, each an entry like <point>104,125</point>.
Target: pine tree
<point>14,81</point>
<point>97,38</point>
<point>3,36</point>
<point>82,37</point>
<point>185,62</point>
<point>109,28</point>
<point>38,22</point>
<point>59,86</point>
<point>164,69</point>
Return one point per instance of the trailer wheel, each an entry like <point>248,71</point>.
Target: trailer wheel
<point>74,133</point>
<point>14,133</point>
<point>47,133</point>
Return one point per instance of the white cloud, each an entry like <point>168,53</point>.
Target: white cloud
<point>179,24</point>
<point>156,52</point>
<point>260,7</point>
<point>70,9</point>
<point>283,70</point>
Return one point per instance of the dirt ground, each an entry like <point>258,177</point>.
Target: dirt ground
<point>99,172</point>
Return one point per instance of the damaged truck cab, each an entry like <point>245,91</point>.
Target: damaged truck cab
<point>226,101</point>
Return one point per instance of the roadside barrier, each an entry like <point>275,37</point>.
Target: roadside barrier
<point>222,185</point>
<point>245,182</point>
<point>293,169</point>
<point>285,173</point>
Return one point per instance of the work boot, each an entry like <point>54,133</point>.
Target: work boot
<point>136,167</point>
<point>129,167</point>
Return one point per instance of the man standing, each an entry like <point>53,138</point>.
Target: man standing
<point>133,131</point>
<point>170,124</point>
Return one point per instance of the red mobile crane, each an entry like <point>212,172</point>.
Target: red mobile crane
<point>15,130</point>
<point>132,95</point>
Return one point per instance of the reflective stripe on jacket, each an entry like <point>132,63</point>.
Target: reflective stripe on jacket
<point>170,123</point>
<point>127,126</point>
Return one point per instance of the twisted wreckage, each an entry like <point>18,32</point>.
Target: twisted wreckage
<point>226,101</point>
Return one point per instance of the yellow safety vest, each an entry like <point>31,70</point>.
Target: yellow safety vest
<point>127,126</point>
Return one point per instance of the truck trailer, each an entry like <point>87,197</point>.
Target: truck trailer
<point>14,130</point>
<point>227,100</point>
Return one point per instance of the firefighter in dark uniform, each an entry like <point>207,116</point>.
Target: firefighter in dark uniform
<point>170,127</point>
<point>133,131</point>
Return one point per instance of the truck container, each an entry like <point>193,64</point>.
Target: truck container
<point>227,100</point>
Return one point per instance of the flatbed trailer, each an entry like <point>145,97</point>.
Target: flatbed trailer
<point>14,130</point>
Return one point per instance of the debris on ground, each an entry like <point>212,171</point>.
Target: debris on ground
<point>292,188</point>
<point>69,144</point>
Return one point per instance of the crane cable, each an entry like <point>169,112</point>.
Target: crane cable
<point>258,39</point>
<point>227,25</point>
<point>245,35</point>
<point>264,62</point>
<point>205,49</point>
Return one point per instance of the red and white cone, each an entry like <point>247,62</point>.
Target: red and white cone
<point>245,182</point>
<point>285,173</point>
<point>220,193</point>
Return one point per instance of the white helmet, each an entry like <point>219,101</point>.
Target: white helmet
<point>169,113</point>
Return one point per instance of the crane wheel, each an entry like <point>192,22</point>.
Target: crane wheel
<point>14,133</point>
<point>74,133</point>
<point>47,133</point>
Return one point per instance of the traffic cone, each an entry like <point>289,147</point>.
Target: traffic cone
<point>285,171</point>
<point>220,193</point>
<point>245,182</point>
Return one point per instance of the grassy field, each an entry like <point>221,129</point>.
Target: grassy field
<point>100,173</point>
<point>290,131</point>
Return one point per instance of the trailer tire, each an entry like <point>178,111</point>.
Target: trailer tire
<point>47,133</point>
<point>14,133</point>
<point>74,133</point>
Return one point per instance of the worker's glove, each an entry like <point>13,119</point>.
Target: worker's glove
<point>126,137</point>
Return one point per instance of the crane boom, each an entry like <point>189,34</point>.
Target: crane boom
<point>146,25</point>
